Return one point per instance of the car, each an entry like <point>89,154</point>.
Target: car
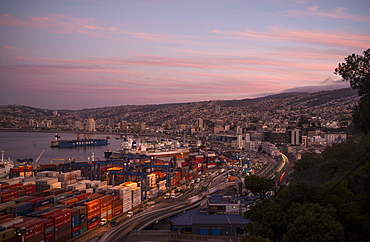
<point>103,222</point>
<point>130,214</point>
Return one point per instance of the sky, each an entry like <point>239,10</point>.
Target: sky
<point>75,54</point>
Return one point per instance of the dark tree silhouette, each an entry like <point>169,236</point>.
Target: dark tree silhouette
<point>356,70</point>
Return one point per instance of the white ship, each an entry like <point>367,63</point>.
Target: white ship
<point>149,148</point>
<point>5,166</point>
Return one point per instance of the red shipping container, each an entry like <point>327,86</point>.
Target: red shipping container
<point>48,223</point>
<point>93,214</point>
<point>51,212</point>
<point>106,203</point>
<point>74,229</point>
<point>8,193</point>
<point>7,199</point>
<point>82,196</point>
<point>62,221</point>
<point>28,192</point>
<point>36,238</point>
<point>49,236</point>
<point>115,198</point>
<point>115,214</point>
<point>16,185</point>
<point>93,225</point>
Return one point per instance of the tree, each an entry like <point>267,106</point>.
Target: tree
<point>268,220</point>
<point>312,222</point>
<point>258,185</point>
<point>356,70</point>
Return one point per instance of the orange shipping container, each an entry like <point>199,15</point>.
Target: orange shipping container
<point>104,209</point>
<point>117,209</point>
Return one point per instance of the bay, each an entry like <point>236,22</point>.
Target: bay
<point>21,145</point>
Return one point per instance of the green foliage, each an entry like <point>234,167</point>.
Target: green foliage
<point>356,70</point>
<point>312,222</point>
<point>258,185</point>
<point>361,115</point>
<point>328,198</point>
<point>268,218</point>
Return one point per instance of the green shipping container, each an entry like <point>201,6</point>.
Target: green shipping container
<point>7,234</point>
<point>83,230</point>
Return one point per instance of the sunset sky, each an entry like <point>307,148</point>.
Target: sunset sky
<point>75,54</point>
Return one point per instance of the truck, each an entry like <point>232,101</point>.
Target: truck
<point>103,222</point>
<point>130,214</point>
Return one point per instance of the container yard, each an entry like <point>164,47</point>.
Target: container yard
<point>58,203</point>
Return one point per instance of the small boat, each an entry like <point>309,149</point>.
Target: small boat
<point>108,137</point>
<point>57,136</point>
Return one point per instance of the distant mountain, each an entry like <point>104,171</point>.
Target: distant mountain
<point>244,102</point>
<point>332,85</point>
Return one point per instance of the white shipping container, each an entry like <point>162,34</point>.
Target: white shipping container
<point>103,215</point>
<point>12,222</point>
<point>90,190</point>
<point>6,204</point>
<point>56,185</point>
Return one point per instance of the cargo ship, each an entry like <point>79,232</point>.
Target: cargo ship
<point>77,143</point>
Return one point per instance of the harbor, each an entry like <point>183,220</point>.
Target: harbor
<point>43,201</point>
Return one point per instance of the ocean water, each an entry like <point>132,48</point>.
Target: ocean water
<point>21,145</point>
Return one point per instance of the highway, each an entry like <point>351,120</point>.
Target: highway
<point>165,209</point>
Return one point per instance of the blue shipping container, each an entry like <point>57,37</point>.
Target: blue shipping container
<point>22,206</point>
<point>44,202</point>
<point>94,219</point>
<point>23,213</point>
<point>75,221</point>
<point>82,220</point>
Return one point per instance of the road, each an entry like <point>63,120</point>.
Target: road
<point>165,209</point>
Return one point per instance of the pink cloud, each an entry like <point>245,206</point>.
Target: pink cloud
<point>9,47</point>
<point>55,23</point>
<point>304,36</point>
<point>336,13</point>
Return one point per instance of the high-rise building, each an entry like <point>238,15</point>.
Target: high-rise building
<point>200,123</point>
<point>90,125</point>
<point>136,127</point>
<point>31,123</point>
<point>108,123</point>
<point>295,136</point>
<point>123,126</point>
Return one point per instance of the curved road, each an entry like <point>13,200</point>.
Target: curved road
<point>163,210</point>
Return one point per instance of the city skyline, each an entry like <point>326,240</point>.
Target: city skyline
<point>75,54</point>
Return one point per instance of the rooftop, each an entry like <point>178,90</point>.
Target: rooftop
<point>195,216</point>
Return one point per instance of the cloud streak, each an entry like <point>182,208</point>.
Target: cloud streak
<point>302,36</point>
<point>338,13</point>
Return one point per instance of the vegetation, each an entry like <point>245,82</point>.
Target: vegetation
<point>356,70</point>
<point>329,196</point>
<point>258,185</point>
<point>327,200</point>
